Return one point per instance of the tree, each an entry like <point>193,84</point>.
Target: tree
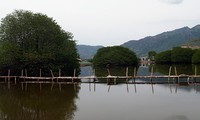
<point>196,57</point>
<point>181,55</point>
<point>33,40</point>
<point>151,55</point>
<point>163,57</point>
<point>115,56</point>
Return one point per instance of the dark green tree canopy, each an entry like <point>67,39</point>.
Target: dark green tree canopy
<point>181,55</point>
<point>115,56</point>
<point>176,55</point>
<point>33,39</point>
<point>151,55</point>
<point>196,57</point>
<point>163,57</point>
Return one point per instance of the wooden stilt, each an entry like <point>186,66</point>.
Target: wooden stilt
<point>151,73</point>
<point>176,74</point>
<point>134,73</point>
<point>52,73</point>
<point>126,74</point>
<point>8,79</point>
<point>195,70</point>
<point>59,72</point>
<point>108,71</point>
<point>40,72</point>
<point>170,69</point>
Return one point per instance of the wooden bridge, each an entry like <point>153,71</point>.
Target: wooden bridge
<point>110,79</point>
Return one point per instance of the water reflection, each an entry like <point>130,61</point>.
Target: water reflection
<point>130,88</point>
<point>36,104</point>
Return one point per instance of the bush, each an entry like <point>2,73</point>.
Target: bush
<point>115,56</point>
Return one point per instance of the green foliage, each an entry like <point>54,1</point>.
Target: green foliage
<point>177,55</point>
<point>116,56</point>
<point>33,40</point>
<point>196,57</point>
<point>181,55</point>
<point>163,57</point>
<point>151,55</point>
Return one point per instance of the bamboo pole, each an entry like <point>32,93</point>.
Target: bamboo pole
<point>52,73</point>
<point>134,74</point>
<point>170,69</point>
<point>9,79</point>
<point>195,70</point>
<point>59,72</point>
<point>126,75</point>
<point>176,74</point>
<point>22,72</point>
<point>108,71</point>
<point>151,73</point>
<point>40,73</point>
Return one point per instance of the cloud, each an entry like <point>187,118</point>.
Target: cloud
<point>172,1</point>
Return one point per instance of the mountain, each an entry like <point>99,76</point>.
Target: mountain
<point>163,41</point>
<point>193,42</point>
<point>87,51</point>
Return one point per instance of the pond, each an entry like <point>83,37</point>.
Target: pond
<point>101,101</point>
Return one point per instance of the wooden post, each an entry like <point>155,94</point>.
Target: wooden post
<point>40,73</point>
<point>170,68</point>
<point>151,73</point>
<point>126,71</point>
<point>126,74</point>
<point>134,73</point>
<point>94,74</point>
<point>74,75</point>
<point>108,71</point>
<point>194,79</point>
<point>195,70</point>
<point>22,72</point>
<point>52,73</point>
<point>74,72</point>
<point>176,74</point>
<point>9,79</point>
<point>59,72</point>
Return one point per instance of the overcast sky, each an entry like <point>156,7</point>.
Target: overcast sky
<point>112,22</point>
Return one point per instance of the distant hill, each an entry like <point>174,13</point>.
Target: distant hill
<point>87,51</point>
<point>194,42</point>
<point>163,41</point>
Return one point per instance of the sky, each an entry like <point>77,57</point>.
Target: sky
<point>112,22</point>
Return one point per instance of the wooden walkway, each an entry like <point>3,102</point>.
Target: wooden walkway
<point>150,79</point>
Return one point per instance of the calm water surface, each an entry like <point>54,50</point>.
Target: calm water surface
<point>140,102</point>
<point>101,101</point>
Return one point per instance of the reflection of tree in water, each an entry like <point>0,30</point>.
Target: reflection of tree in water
<point>188,69</point>
<point>34,104</point>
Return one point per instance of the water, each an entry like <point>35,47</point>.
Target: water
<point>163,102</point>
<point>101,101</point>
